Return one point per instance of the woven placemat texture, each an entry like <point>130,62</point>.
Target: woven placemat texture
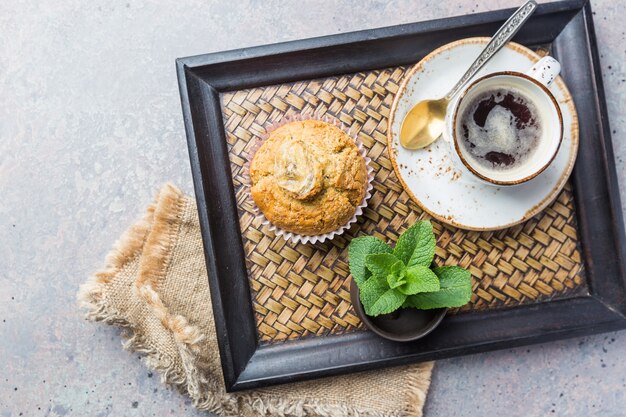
<point>302,290</point>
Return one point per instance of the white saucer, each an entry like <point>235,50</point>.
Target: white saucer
<point>429,175</point>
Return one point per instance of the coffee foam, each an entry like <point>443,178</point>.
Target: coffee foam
<point>500,132</point>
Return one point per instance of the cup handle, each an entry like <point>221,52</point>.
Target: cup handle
<point>545,70</point>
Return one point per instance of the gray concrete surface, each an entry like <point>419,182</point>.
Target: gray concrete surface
<point>90,126</point>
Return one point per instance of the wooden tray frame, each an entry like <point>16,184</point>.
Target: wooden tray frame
<point>568,28</point>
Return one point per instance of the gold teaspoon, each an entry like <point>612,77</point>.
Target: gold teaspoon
<point>424,123</point>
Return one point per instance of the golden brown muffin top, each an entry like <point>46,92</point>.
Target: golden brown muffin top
<point>308,177</point>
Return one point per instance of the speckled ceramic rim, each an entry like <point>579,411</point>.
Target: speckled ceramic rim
<point>455,136</point>
<point>294,237</point>
<point>568,101</point>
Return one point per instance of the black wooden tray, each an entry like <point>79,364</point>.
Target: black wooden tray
<point>567,29</point>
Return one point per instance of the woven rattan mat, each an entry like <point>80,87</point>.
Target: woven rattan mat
<point>302,290</point>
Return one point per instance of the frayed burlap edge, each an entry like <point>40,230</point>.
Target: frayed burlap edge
<point>417,389</point>
<point>157,233</point>
<point>155,262</point>
<point>92,294</point>
<point>161,235</point>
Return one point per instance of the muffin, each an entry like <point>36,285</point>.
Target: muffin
<point>308,177</point>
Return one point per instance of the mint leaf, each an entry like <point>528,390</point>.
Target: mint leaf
<point>389,302</point>
<point>371,290</point>
<point>419,279</point>
<point>377,298</point>
<point>359,248</point>
<point>381,264</point>
<point>416,246</point>
<point>397,275</point>
<point>395,281</point>
<point>455,290</point>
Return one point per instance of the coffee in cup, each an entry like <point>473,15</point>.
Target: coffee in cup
<point>501,128</point>
<point>506,127</point>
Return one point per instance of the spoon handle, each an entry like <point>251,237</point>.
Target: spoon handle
<point>502,36</point>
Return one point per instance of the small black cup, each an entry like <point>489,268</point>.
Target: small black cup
<point>403,325</point>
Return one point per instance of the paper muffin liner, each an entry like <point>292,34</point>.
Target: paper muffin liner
<point>294,237</point>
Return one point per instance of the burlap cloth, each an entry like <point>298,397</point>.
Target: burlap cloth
<point>154,285</point>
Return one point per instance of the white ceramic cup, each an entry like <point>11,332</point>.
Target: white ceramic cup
<point>534,86</point>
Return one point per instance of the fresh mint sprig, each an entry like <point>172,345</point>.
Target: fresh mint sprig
<point>389,279</point>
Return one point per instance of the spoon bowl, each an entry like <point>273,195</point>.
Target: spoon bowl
<point>423,124</point>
